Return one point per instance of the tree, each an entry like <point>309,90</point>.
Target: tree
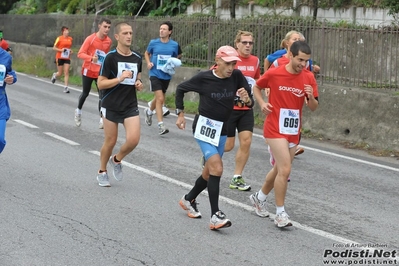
<point>233,9</point>
<point>6,6</point>
<point>315,7</point>
<point>156,3</point>
<point>392,5</point>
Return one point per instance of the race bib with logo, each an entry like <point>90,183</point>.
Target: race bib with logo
<point>65,53</point>
<point>101,56</point>
<point>208,130</point>
<point>2,74</point>
<point>132,67</point>
<point>161,60</point>
<point>289,121</point>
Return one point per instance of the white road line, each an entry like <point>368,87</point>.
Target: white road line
<point>55,84</point>
<point>236,203</point>
<point>353,159</point>
<point>261,136</point>
<point>70,142</point>
<point>25,123</point>
<point>321,151</point>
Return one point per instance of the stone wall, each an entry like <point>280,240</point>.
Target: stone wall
<point>344,114</point>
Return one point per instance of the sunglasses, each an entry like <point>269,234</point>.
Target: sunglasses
<point>246,43</point>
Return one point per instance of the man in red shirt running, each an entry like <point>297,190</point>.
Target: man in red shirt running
<point>93,51</point>
<point>289,86</point>
<point>242,117</point>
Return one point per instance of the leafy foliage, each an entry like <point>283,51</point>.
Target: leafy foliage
<point>393,6</point>
<point>5,6</point>
<point>24,7</point>
<point>124,7</point>
<point>171,8</point>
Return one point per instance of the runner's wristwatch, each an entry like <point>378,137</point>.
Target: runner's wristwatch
<point>178,111</point>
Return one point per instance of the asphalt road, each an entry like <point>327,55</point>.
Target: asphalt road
<point>52,211</point>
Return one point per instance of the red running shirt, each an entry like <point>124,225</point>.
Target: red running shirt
<point>287,96</point>
<point>62,42</point>
<point>249,67</point>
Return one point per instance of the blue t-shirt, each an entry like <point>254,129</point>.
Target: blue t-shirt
<point>160,52</point>
<point>279,53</point>
<point>276,55</point>
<point>5,69</point>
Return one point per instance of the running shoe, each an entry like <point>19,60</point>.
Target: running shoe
<point>103,180</point>
<point>162,130</point>
<point>66,90</point>
<point>282,220</point>
<point>299,150</point>
<point>54,78</point>
<point>101,124</point>
<point>260,206</point>
<point>165,110</point>
<point>190,207</point>
<point>239,183</point>
<point>116,169</point>
<point>149,106</point>
<point>148,118</point>
<point>219,221</point>
<point>78,118</point>
<point>203,161</point>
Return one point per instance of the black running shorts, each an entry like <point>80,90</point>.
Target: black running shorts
<point>119,117</point>
<point>157,84</point>
<point>240,120</point>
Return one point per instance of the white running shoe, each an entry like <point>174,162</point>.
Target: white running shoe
<point>101,123</point>
<point>162,129</point>
<point>219,220</point>
<point>54,78</point>
<point>165,110</point>
<point>190,207</point>
<point>203,161</point>
<point>148,118</point>
<point>116,169</point>
<point>260,206</point>
<point>78,118</point>
<point>103,180</point>
<point>282,220</point>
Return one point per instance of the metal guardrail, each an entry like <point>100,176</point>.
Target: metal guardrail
<point>350,56</point>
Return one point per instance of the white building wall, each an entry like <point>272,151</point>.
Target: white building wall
<point>358,15</point>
